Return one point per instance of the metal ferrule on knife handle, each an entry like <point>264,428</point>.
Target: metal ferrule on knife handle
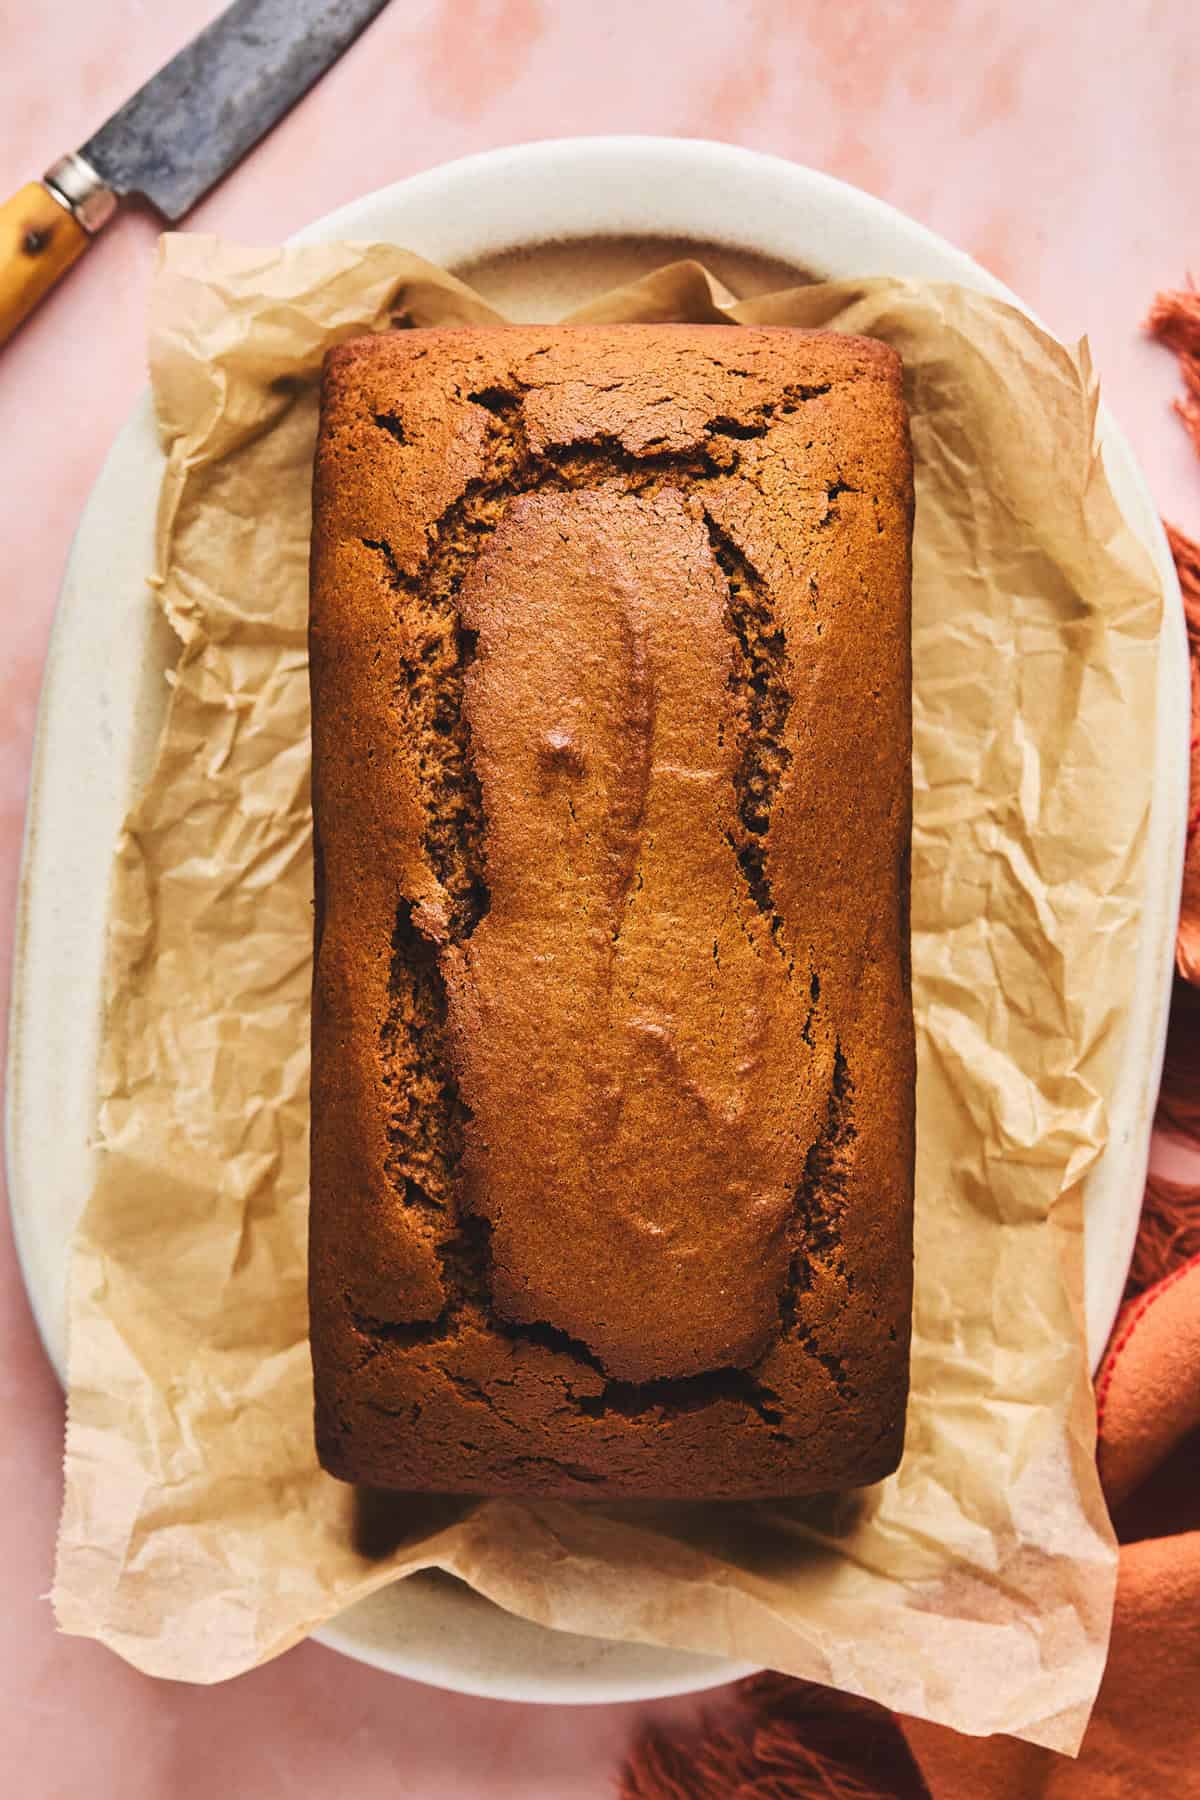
<point>73,181</point>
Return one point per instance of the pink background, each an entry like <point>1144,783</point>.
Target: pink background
<point>1061,153</point>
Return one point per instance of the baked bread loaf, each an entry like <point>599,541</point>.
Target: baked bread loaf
<point>612,1090</point>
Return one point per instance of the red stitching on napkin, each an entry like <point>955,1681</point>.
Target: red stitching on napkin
<point>1140,1311</point>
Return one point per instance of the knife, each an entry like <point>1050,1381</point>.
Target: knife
<point>178,135</point>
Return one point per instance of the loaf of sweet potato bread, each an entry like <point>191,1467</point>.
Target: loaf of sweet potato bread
<point>612,1092</point>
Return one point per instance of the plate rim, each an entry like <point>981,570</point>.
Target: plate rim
<point>472,208</point>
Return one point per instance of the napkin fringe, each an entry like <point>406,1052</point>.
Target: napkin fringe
<point>1169,1233</point>
<point>789,1740</point>
<point>1174,320</point>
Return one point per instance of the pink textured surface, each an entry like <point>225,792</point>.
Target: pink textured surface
<point>1059,152</point>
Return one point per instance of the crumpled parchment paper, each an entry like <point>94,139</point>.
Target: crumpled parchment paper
<point>974,1588</point>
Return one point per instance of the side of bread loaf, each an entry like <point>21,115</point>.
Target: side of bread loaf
<point>612,1136</point>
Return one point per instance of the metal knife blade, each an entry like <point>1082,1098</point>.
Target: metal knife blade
<point>204,109</point>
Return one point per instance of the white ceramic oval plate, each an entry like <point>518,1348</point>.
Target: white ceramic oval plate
<point>538,228</point>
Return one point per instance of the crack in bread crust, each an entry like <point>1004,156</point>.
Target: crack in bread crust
<point>426,1114</point>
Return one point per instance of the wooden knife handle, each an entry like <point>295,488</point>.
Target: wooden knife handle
<point>39,240</point>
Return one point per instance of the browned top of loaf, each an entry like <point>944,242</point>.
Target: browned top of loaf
<point>630,759</point>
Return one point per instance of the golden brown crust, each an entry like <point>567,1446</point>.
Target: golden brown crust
<point>612,1037</point>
